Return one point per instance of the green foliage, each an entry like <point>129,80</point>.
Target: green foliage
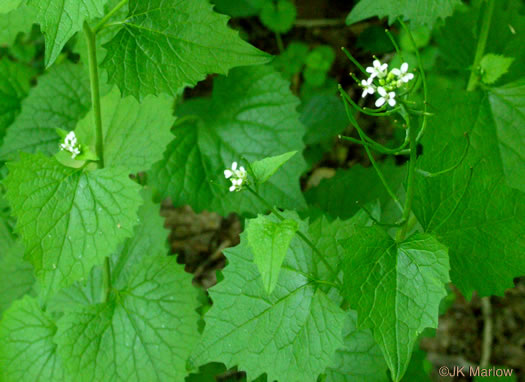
<point>27,350</point>
<point>14,86</point>
<point>250,116</point>
<point>269,241</point>
<point>60,20</point>
<point>145,331</point>
<point>278,16</point>
<point>136,135</point>
<point>17,21</point>
<point>344,194</point>
<point>471,210</point>
<point>16,276</point>
<point>60,99</point>
<point>239,8</point>
<point>360,360</point>
<point>258,329</point>
<point>396,288</point>
<point>508,110</point>
<point>64,240</point>
<point>419,12</point>
<point>265,168</point>
<point>341,279</point>
<point>493,67</point>
<point>189,41</point>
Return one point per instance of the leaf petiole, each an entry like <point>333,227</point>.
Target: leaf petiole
<point>102,23</point>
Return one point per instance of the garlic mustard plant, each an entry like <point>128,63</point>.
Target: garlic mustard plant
<point>344,218</point>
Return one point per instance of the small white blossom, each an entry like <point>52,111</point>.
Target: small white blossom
<point>385,97</point>
<point>403,74</point>
<point>377,70</point>
<point>368,86</point>
<point>71,144</point>
<point>237,176</point>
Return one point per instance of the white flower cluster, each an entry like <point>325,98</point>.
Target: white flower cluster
<point>71,144</point>
<point>237,176</point>
<point>385,82</point>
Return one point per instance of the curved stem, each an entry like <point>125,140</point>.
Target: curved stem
<point>299,233</point>
<point>354,61</point>
<point>482,43</point>
<point>438,173</point>
<point>371,157</point>
<point>110,14</point>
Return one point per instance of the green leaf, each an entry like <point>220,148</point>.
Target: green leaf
<point>360,360</point>
<point>419,12</point>
<point>18,21</point>
<point>324,117</point>
<point>60,19</point>
<point>293,333</point>
<point>278,17</point>
<point>265,168</point>
<point>59,100</point>
<point>471,210</point>
<point>14,85</point>
<point>269,242</point>
<point>508,110</point>
<point>149,239</point>
<point>164,47</point>
<point>69,220</point>
<point>396,288</point>
<point>16,276</point>
<point>9,5</point>
<point>493,66</point>
<point>135,134</point>
<point>145,332</point>
<point>346,192</point>
<point>251,115</point>
<point>239,8</point>
<point>27,350</point>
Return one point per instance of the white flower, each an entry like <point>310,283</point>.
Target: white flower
<point>237,176</point>
<point>378,70</point>
<point>402,73</point>
<point>385,97</point>
<point>368,86</point>
<point>71,145</point>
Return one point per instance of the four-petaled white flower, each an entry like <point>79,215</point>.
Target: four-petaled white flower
<point>71,145</point>
<point>377,70</point>
<point>385,97</point>
<point>237,176</point>
<point>368,86</point>
<point>402,73</point>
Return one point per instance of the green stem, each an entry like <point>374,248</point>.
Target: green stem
<point>95,91</point>
<point>482,43</point>
<point>107,279</point>
<point>299,233</point>
<point>97,118</point>
<point>354,61</point>
<point>106,18</point>
<point>423,79</point>
<point>410,187</point>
